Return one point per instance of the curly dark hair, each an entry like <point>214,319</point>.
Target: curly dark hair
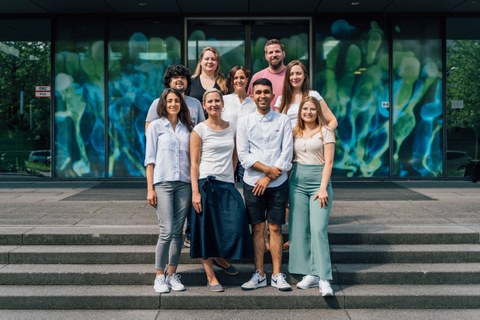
<point>176,70</point>
<point>183,115</point>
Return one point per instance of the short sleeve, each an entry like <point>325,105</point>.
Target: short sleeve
<point>315,94</point>
<point>278,102</point>
<point>152,112</point>
<point>200,129</point>
<point>328,135</point>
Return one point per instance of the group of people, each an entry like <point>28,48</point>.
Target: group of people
<point>282,149</point>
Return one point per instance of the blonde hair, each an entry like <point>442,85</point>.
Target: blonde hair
<point>320,120</point>
<point>287,92</point>
<point>211,90</point>
<point>219,78</point>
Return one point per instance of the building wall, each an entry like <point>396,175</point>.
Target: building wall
<point>384,78</point>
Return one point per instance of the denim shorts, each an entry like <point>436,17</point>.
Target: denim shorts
<point>268,207</point>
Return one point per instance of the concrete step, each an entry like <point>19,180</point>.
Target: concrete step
<point>222,314</point>
<point>361,296</point>
<point>193,274</point>
<point>26,254</point>
<point>145,235</point>
<point>78,297</point>
<point>143,297</point>
<point>407,273</point>
<point>403,234</point>
<point>425,253</point>
<point>135,254</point>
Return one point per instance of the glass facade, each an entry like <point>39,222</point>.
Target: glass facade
<point>292,34</point>
<point>80,99</point>
<point>462,96</point>
<point>25,101</point>
<point>139,51</point>
<point>352,75</point>
<point>417,97</point>
<point>228,37</point>
<point>400,113</point>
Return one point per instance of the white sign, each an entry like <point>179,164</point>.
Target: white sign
<point>42,88</point>
<point>385,104</point>
<point>457,104</point>
<point>43,94</point>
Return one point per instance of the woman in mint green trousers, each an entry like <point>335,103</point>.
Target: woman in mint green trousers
<point>311,198</point>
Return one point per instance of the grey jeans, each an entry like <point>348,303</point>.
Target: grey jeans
<point>174,200</point>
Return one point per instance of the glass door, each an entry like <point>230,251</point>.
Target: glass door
<point>241,42</point>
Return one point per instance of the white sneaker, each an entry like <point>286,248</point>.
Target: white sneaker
<point>279,282</point>
<point>325,288</point>
<point>308,281</point>
<point>174,283</point>
<point>257,281</point>
<point>160,285</point>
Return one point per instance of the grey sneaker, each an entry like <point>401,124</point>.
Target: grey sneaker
<point>186,243</point>
<point>174,283</point>
<point>160,285</point>
<point>279,281</point>
<point>308,281</point>
<point>257,281</point>
<point>325,288</point>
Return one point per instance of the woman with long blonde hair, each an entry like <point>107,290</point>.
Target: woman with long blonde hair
<point>311,197</point>
<point>207,74</point>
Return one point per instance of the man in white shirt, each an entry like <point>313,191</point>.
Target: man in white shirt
<point>265,150</point>
<point>178,77</point>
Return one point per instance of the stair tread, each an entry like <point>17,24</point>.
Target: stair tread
<point>147,290</point>
<point>407,267</point>
<point>245,268</point>
<point>405,247</point>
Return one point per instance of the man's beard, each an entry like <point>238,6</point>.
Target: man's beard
<point>277,65</point>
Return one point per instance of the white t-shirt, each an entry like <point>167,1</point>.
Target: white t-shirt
<point>292,111</point>
<point>217,152</point>
<point>234,109</point>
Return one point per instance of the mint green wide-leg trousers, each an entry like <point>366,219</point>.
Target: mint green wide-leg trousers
<point>308,223</point>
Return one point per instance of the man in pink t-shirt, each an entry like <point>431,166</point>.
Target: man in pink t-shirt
<point>275,72</point>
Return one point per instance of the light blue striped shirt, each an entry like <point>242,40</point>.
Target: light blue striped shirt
<point>168,150</point>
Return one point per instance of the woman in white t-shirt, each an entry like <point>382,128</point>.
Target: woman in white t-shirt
<point>296,87</point>
<point>219,227</point>
<point>237,104</point>
<point>311,199</point>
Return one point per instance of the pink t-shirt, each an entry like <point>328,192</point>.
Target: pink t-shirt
<point>276,79</point>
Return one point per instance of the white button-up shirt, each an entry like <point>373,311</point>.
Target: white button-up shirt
<point>168,150</point>
<point>268,140</point>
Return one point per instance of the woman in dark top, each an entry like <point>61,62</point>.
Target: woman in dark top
<point>207,74</point>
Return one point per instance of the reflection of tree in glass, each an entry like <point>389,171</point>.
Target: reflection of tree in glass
<point>463,65</point>
<point>24,65</point>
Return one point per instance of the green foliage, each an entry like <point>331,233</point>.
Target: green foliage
<point>26,65</point>
<point>463,65</point>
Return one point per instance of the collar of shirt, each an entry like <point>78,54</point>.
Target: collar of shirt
<point>166,123</point>
<point>266,117</point>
